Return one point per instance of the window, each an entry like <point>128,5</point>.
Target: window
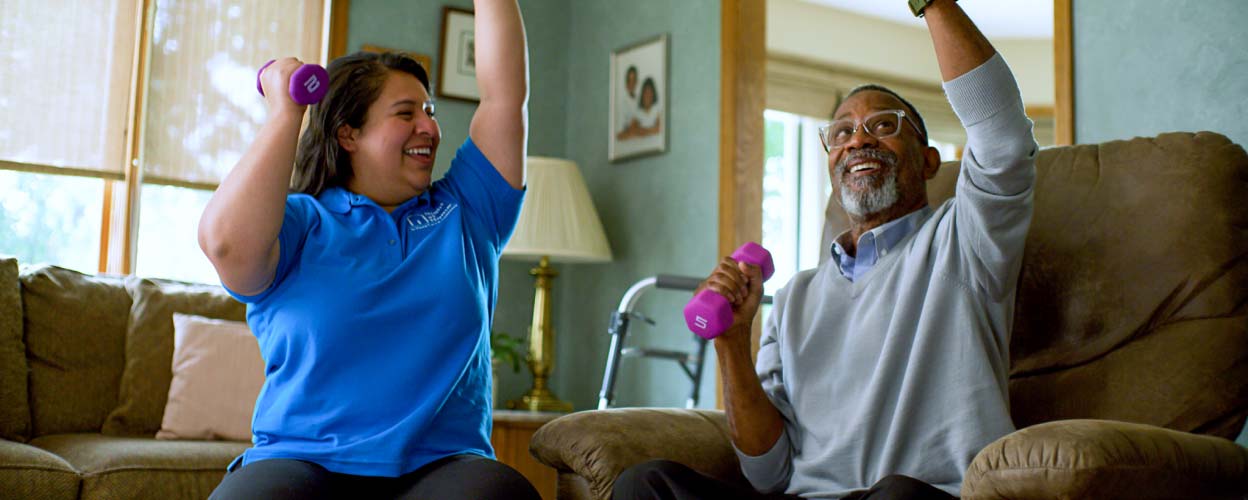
<point>67,168</point>
<point>168,239</point>
<point>795,192</point>
<point>51,218</point>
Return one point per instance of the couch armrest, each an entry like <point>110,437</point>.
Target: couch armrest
<point>599,445</point>
<point>1106,460</point>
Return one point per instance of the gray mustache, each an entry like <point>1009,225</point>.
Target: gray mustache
<point>880,155</point>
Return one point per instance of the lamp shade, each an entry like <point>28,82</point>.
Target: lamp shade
<point>558,219</point>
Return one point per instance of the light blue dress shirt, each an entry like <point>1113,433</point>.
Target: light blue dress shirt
<point>876,243</point>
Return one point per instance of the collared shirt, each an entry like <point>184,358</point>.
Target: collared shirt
<point>375,331</point>
<point>876,243</point>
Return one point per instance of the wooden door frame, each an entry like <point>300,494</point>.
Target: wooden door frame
<point>1063,73</point>
<point>743,59</point>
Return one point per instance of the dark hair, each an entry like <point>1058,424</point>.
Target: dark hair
<point>653,91</point>
<point>880,88</point>
<point>355,82</point>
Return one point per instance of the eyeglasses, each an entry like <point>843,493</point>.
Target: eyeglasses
<point>880,125</point>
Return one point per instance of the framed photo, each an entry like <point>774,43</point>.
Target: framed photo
<point>423,59</point>
<point>639,100</point>
<point>457,75</point>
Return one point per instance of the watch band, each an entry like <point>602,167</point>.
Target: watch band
<point>918,6</point>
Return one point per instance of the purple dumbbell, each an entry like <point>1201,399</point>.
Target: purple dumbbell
<point>308,84</point>
<point>709,314</point>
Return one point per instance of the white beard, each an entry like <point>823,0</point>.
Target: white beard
<point>872,201</point>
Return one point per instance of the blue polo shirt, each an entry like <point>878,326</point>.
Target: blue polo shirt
<point>375,331</point>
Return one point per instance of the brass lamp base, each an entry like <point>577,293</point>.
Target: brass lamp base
<point>541,359</point>
<point>539,401</point>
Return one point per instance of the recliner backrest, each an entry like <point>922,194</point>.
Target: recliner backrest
<point>1133,299</point>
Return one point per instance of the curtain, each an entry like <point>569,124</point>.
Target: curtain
<point>64,97</point>
<point>201,108</point>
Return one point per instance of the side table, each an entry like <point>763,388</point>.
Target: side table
<point>512,431</point>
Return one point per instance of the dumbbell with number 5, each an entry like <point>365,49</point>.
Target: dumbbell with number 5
<point>709,314</point>
<point>308,84</point>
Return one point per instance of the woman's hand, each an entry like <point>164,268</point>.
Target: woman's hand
<point>276,82</point>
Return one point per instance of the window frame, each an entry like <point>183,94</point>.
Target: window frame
<point>119,227</point>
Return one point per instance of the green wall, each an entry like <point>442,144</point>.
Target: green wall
<point>659,212</point>
<point>1142,68</point>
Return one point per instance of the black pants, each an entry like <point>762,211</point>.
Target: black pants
<point>457,477</point>
<point>667,480</point>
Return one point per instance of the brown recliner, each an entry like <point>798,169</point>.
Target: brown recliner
<point>1129,355</point>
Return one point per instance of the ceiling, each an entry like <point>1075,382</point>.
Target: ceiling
<point>996,18</point>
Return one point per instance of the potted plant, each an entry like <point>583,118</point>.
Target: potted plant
<point>505,350</point>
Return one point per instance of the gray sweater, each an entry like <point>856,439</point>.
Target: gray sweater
<point>904,370</point>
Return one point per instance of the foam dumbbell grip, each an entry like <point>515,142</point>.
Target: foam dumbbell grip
<point>709,314</point>
<point>308,84</point>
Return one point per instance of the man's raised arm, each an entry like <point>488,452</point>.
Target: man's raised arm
<point>960,47</point>
<point>994,191</point>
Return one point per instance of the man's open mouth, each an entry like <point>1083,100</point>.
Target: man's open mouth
<point>864,167</point>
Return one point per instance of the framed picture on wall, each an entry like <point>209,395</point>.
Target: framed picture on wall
<point>423,59</point>
<point>639,100</point>
<point>458,66</point>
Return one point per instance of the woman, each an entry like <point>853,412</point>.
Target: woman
<point>648,117</point>
<point>371,288</point>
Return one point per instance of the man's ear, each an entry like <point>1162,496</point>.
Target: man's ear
<point>346,138</point>
<point>931,162</point>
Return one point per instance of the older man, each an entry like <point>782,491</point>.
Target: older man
<point>883,372</point>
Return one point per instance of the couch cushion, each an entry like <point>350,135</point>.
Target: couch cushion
<point>14,406</point>
<point>149,348</point>
<point>1106,460</point>
<point>128,467</point>
<point>75,340</point>
<point>29,472</point>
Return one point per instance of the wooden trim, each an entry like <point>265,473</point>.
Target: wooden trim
<point>743,59</point>
<point>742,101</point>
<point>340,13</point>
<point>1063,71</point>
<point>106,225</point>
<point>35,168</point>
<point>134,144</point>
<point>169,181</point>
<point>1039,111</point>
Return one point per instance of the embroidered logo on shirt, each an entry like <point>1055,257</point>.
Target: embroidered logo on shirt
<point>432,217</point>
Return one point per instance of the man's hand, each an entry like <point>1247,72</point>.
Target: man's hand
<point>742,285</point>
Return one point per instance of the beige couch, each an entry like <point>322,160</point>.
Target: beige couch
<point>84,373</point>
<point>1129,356</point>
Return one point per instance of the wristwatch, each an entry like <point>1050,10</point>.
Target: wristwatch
<point>917,6</point>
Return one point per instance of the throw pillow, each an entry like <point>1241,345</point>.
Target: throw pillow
<point>217,375</point>
<point>149,348</point>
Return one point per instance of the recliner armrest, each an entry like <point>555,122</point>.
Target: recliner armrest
<point>600,444</point>
<point>1106,460</point>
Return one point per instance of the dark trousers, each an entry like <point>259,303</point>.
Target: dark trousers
<point>667,480</point>
<point>457,477</point>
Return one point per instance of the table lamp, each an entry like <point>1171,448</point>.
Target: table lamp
<point>558,223</point>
